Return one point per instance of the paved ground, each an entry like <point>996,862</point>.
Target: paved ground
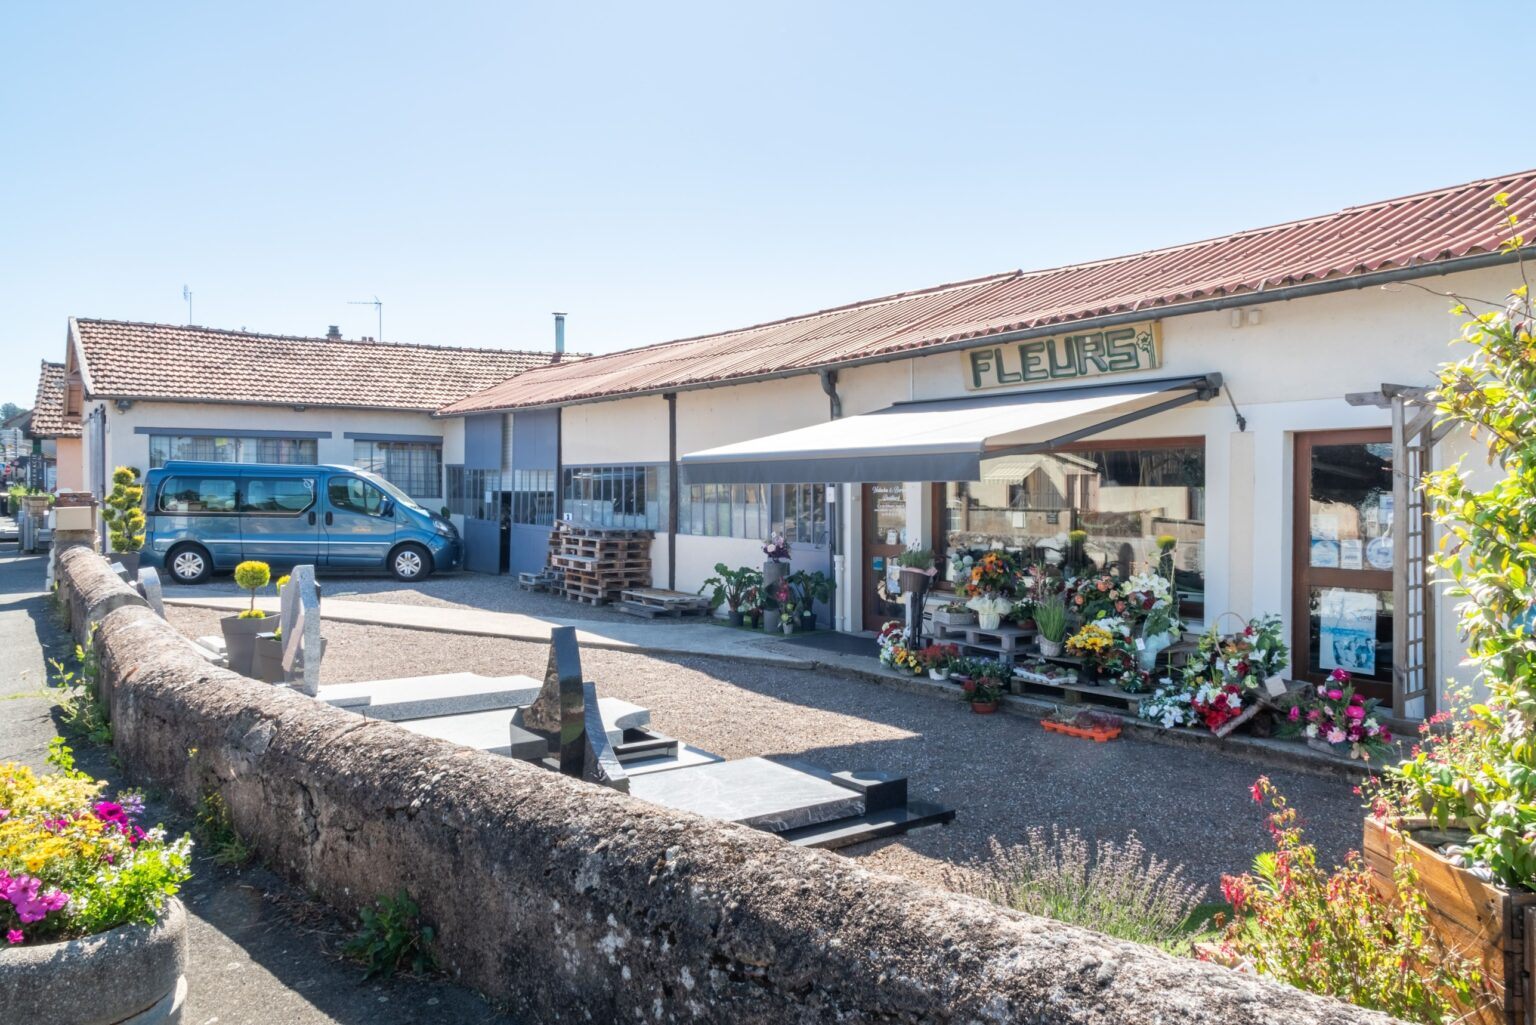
<point>1003,773</point>
<point>260,950</point>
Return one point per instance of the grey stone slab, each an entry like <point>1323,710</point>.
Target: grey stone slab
<point>483,731</point>
<point>753,791</point>
<point>421,697</point>
<point>299,619</point>
<point>149,587</point>
<point>685,757</point>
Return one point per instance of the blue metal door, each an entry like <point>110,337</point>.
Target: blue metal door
<point>358,533</point>
<point>280,520</point>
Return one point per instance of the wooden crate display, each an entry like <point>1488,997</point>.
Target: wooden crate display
<point>1480,920</point>
<point>598,564</point>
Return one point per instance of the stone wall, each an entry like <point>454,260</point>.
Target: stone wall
<point>576,903</point>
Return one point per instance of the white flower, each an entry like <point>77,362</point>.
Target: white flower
<point>1370,724</point>
<point>1311,729</point>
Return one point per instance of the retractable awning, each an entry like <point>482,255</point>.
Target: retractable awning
<point>940,441</point>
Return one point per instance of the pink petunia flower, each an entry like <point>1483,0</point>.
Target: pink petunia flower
<point>14,936</point>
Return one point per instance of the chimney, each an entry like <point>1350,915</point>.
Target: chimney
<point>559,336</point>
<point>333,333</point>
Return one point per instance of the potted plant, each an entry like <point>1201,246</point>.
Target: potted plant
<point>267,657</point>
<point>123,513</point>
<point>962,670</point>
<point>953,613</point>
<point>988,690</point>
<point>752,607</point>
<point>937,658</point>
<point>896,650</point>
<point>916,570</point>
<point>1166,543</point>
<point>729,587</point>
<point>810,588</point>
<point>989,609</point>
<point>1051,621</point>
<point>1023,614</point>
<point>240,631</point>
<point>788,607</point>
<point>88,905</point>
<point>776,568</point>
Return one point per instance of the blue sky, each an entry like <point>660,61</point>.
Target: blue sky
<point>661,170</point>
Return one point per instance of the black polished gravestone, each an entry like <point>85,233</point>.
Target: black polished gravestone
<point>559,713</point>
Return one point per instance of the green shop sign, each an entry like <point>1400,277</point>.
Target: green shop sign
<point>1115,350</point>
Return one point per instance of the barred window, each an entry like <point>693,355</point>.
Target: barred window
<point>232,448</point>
<point>615,496</point>
<point>533,497</point>
<point>474,494</point>
<point>753,511</point>
<point>415,467</point>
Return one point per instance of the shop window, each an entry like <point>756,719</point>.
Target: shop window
<point>533,497</point>
<point>232,448</point>
<point>415,467</point>
<point>615,496</point>
<point>753,511</point>
<point>474,494</point>
<point>1127,502</point>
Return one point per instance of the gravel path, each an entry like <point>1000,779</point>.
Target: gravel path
<point>1002,773</point>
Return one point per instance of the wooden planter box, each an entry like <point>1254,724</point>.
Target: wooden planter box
<point>1482,920</point>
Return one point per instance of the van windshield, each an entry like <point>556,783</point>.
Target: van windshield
<point>400,497</point>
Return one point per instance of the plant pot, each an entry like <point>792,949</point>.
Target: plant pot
<point>755,619</point>
<point>774,572</point>
<point>770,620</point>
<point>1025,624</point>
<point>989,620</point>
<point>240,641</point>
<point>938,674</point>
<point>128,560</point>
<point>734,617</point>
<point>1049,649</point>
<point>132,975</point>
<point>914,581</point>
<point>267,659</point>
<point>1482,921</point>
<point>807,620</point>
<point>786,626</point>
<point>983,707</point>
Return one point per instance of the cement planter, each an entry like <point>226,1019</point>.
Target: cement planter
<point>943,617</point>
<point>240,641</point>
<point>131,975</point>
<point>128,560</point>
<point>774,573</point>
<point>267,659</point>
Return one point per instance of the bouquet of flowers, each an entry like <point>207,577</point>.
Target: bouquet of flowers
<point>1172,704</point>
<point>1095,595</point>
<point>776,548</point>
<point>895,649</point>
<point>937,657</point>
<point>993,573</point>
<point>1336,716</point>
<point>1217,704</point>
<point>1091,641</point>
<point>1144,592</point>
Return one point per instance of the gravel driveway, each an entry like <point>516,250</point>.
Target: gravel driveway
<point>1002,773</point>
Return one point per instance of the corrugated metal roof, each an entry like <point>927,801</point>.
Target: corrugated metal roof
<point>122,359</point>
<point>1422,229</point>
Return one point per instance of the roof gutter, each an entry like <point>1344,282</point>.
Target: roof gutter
<point>1326,286</point>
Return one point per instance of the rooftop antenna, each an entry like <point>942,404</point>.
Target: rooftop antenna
<point>378,307</point>
<point>186,293</point>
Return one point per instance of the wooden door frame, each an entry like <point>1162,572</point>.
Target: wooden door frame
<point>1301,553</point>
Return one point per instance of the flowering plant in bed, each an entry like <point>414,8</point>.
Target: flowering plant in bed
<point>74,863</point>
<point>937,658</point>
<point>1336,717</point>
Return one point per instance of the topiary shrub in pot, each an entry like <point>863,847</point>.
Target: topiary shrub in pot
<point>93,931</point>
<point>240,631</point>
<point>123,513</point>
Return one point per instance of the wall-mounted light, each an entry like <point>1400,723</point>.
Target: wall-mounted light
<point>124,405</point>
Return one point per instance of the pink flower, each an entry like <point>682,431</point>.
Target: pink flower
<point>1338,676</point>
<point>31,905</point>
<point>1295,713</point>
<point>1336,736</point>
<point>1335,694</point>
<point>1355,712</point>
<point>14,936</point>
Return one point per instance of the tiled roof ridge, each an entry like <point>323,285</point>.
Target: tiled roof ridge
<point>198,328</point>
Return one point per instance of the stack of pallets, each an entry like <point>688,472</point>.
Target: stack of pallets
<point>600,563</point>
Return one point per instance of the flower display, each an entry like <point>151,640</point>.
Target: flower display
<point>1222,678</point>
<point>1091,641</point>
<point>73,863</point>
<point>1335,715</point>
<point>937,656</point>
<point>993,573</point>
<point>1096,595</point>
<point>776,548</point>
<point>896,650</point>
<point>1171,705</point>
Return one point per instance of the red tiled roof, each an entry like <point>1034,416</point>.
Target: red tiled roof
<point>121,359</point>
<point>48,408</point>
<point>1420,230</point>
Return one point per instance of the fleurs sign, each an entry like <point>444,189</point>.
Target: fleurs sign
<point>1066,357</point>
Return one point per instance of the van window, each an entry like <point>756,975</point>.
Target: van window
<point>197,495</point>
<point>278,496</point>
<point>352,494</point>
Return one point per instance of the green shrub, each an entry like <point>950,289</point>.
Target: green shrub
<point>1118,889</point>
<point>253,576</point>
<point>392,937</point>
<point>123,510</point>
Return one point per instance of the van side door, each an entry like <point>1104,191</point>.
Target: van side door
<point>359,523</point>
<point>280,519</point>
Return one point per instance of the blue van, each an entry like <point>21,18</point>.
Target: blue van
<point>201,517</point>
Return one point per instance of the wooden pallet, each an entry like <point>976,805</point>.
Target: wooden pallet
<point>598,563</point>
<point>652,602</point>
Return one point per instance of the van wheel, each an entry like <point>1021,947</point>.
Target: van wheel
<point>189,564</point>
<point>410,562</point>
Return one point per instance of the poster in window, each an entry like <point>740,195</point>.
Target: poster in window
<point>1325,541</point>
<point>1352,554</point>
<point>1347,631</point>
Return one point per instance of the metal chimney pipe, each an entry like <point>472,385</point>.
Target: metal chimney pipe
<point>559,336</point>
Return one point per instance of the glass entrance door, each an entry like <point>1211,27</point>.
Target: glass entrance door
<point>885,536</point>
<point>1342,609</point>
